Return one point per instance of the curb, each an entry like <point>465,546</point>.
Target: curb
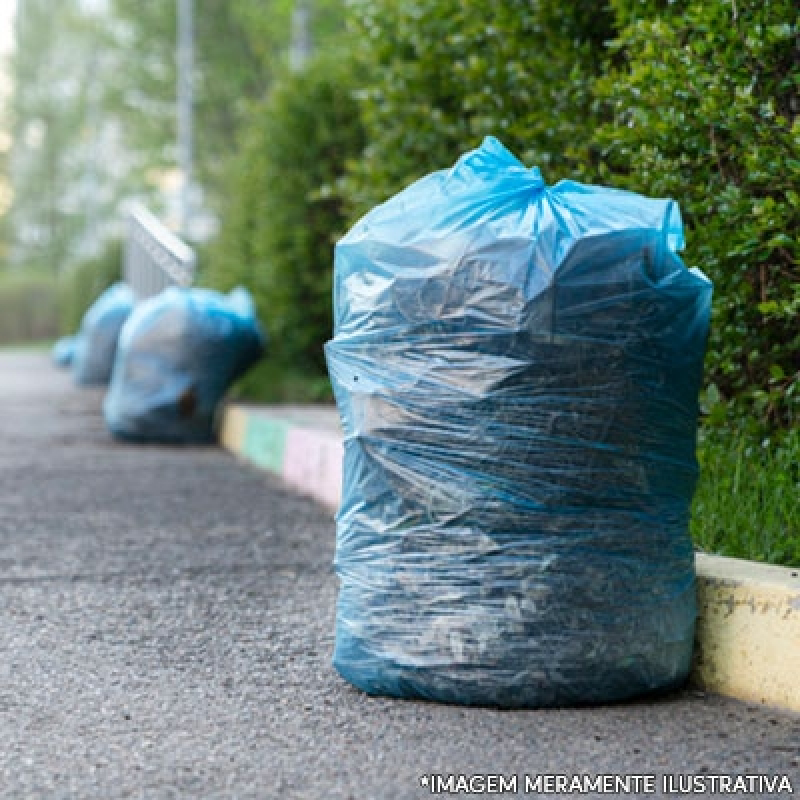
<point>300,444</point>
<point>747,639</point>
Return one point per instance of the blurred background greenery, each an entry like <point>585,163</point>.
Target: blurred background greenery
<point>694,99</point>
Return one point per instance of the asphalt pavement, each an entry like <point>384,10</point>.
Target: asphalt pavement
<point>166,628</point>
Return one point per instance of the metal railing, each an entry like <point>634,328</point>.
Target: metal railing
<point>155,258</point>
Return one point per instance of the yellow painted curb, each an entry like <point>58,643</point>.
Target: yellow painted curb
<point>747,642</point>
<point>233,429</point>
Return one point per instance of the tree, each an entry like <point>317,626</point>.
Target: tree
<point>59,172</point>
<point>240,47</point>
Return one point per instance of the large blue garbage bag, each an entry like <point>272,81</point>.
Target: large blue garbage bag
<point>96,344</point>
<point>517,369</point>
<point>179,352</point>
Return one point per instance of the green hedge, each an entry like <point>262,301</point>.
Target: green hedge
<point>82,285</point>
<point>28,308</point>
<point>443,74</point>
<point>703,106</point>
<point>693,99</point>
<point>285,213</point>
<point>37,307</point>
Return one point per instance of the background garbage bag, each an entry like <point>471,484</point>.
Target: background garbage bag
<point>63,351</point>
<point>96,344</point>
<point>517,370</point>
<point>179,352</point>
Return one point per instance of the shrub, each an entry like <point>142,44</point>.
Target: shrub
<point>691,99</point>
<point>285,211</point>
<point>685,98</point>
<point>83,284</point>
<point>704,106</point>
<point>28,307</point>
<point>443,74</point>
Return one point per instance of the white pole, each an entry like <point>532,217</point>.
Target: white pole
<point>185,103</point>
<point>300,45</point>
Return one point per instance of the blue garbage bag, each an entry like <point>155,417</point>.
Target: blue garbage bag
<point>517,369</point>
<point>96,345</point>
<point>63,351</point>
<point>179,352</point>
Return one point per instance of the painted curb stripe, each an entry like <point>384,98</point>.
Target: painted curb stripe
<point>232,430</point>
<point>313,464</point>
<point>265,442</point>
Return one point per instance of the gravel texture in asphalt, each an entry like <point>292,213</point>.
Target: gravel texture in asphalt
<point>166,628</point>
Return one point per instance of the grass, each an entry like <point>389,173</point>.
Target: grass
<point>747,503</point>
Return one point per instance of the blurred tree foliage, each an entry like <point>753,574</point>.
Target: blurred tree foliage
<point>93,109</point>
<point>227,76</point>
<point>57,174</point>
<point>239,45</point>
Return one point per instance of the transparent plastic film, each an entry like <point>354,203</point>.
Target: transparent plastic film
<point>517,370</point>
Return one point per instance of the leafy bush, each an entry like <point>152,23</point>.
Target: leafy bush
<point>442,74</point>
<point>28,307</point>
<point>691,99</point>
<point>685,98</point>
<point>285,212</point>
<point>83,284</point>
<point>704,107</point>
